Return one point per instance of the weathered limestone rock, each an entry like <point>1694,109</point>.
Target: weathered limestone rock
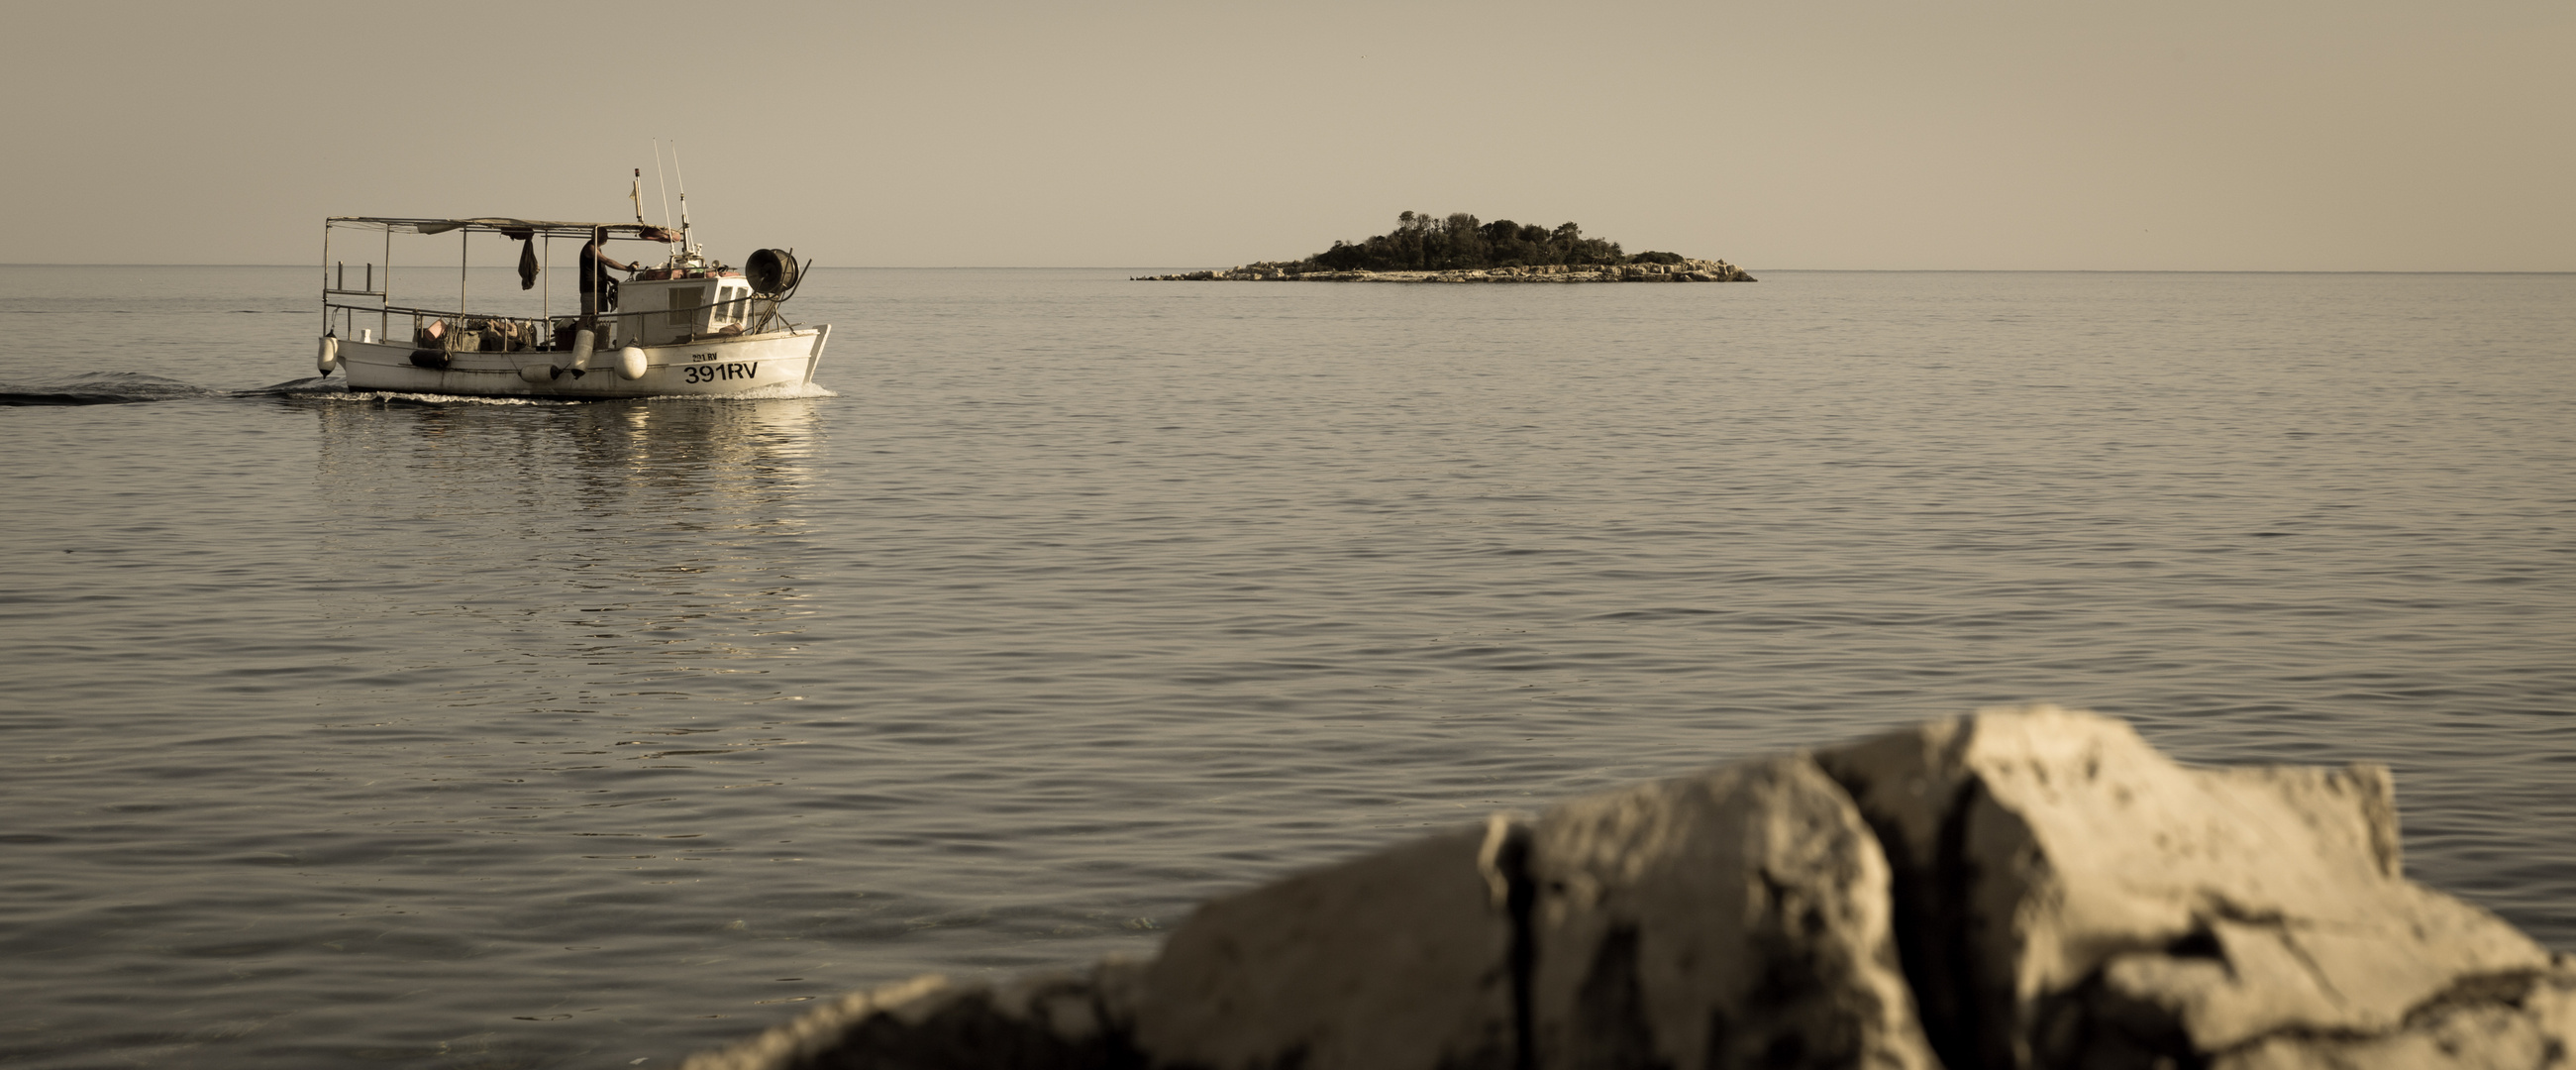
<point>2023,889</point>
<point>1735,919</point>
<point>2070,897</point>
<point>1056,1021</point>
<point>2519,1024</point>
<point>1399,959</point>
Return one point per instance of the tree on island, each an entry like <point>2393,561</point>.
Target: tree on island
<point>1421,242</point>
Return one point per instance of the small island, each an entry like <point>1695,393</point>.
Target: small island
<point>1460,249</point>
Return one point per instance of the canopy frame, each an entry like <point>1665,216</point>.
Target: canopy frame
<point>515,228</point>
<point>540,231</point>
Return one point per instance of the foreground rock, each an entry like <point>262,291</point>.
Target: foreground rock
<point>2073,898</point>
<point>1739,918</point>
<point>1686,271</point>
<point>1401,958</point>
<point>2027,888</point>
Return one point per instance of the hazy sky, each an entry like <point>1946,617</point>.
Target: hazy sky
<point>2175,135</point>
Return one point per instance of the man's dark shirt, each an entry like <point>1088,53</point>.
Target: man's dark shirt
<point>593,273</point>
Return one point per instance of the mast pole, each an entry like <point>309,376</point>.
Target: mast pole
<point>686,249</point>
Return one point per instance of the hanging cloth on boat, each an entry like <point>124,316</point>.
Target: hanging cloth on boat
<point>528,263</point>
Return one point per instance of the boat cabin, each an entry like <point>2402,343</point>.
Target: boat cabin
<point>671,306</point>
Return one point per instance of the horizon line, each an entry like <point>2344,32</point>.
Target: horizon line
<point>1883,271</point>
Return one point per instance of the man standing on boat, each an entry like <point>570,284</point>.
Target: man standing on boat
<point>595,263</point>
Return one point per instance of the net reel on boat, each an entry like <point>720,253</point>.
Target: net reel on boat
<point>771,272</point>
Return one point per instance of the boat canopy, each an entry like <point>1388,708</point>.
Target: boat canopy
<point>520,229</point>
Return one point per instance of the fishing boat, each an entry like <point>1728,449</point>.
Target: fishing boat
<point>690,325</point>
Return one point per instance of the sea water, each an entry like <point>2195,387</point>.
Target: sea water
<point>365,729</point>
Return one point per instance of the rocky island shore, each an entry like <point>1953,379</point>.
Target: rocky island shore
<point>2022,889</point>
<point>1462,249</point>
<point>1686,271</point>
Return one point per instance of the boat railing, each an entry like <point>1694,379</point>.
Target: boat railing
<point>461,332</point>
<point>452,331</point>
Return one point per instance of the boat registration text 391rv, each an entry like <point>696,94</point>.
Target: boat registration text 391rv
<point>708,373</point>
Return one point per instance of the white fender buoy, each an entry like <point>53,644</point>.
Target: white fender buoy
<point>582,341</point>
<point>537,373</point>
<point>630,364</point>
<point>329,356</point>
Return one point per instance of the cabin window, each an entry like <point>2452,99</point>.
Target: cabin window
<point>684,305</point>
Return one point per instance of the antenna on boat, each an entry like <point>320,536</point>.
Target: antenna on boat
<point>635,195</point>
<point>659,183</point>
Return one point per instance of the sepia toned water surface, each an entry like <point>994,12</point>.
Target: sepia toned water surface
<point>364,730</point>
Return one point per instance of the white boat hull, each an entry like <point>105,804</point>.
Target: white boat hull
<point>762,362</point>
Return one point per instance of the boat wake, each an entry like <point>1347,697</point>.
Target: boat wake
<point>782,390</point>
<point>129,388</point>
<point>317,388</point>
<point>104,388</point>
<point>330,390</point>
